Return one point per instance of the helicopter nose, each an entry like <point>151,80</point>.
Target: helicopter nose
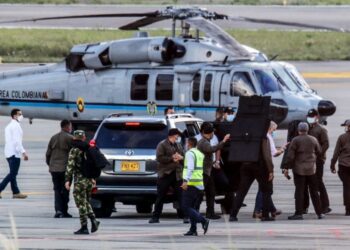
<point>326,108</point>
<point>278,110</point>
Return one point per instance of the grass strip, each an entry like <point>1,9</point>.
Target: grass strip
<point>52,45</point>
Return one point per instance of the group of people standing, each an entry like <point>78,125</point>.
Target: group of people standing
<point>190,174</point>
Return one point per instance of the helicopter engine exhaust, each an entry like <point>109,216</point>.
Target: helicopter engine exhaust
<point>157,50</point>
<point>99,56</point>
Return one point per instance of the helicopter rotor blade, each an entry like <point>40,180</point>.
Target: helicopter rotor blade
<point>146,14</point>
<point>142,22</point>
<point>294,24</point>
<point>220,36</point>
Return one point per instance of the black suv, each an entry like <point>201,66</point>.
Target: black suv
<point>129,143</point>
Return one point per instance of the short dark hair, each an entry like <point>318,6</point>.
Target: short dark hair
<point>14,112</point>
<point>65,123</point>
<point>192,141</point>
<point>167,109</point>
<point>207,128</point>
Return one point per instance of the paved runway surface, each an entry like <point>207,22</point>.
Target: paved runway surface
<point>333,16</point>
<point>35,228</point>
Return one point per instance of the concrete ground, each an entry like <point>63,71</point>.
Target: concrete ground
<point>29,224</point>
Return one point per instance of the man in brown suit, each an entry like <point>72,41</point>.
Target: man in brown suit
<point>321,134</point>
<point>170,158</point>
<point>302,153</point>
<point>57,158</point>
<point>207,149</point>
<point>342,155</point>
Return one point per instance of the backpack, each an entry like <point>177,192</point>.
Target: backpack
<point>92,162</point>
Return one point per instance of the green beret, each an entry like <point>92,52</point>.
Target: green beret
<point>79,134</point>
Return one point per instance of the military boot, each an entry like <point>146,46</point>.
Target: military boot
<point>82,230</point>
<point>94,225</point>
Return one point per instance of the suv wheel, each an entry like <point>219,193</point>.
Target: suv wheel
<point>144,208</point>
<point>105,210</point>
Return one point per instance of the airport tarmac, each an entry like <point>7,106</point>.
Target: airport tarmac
<point>33,225</point>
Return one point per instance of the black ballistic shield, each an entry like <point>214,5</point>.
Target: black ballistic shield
<point>247,129</point>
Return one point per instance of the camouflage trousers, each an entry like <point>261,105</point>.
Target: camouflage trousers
<point>82,195</point>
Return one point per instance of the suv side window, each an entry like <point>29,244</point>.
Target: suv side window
<point>139,87</point>
<point>189,129</point>
<point>164,87</point>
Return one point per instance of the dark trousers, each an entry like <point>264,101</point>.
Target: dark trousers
<point>249,173</point>
<point>190,199</point>
<point>344,175</point>
<point>259,201</point>
<point>163,185</point>
<point>61,193</point>
<point>223,187</point>
<point>14,164</point>
<point>300,182</point>
<point>321,188</point>
<point>209,187</point>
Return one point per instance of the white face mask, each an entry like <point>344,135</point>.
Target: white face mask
<point>230,118</point>
<point>311,120</point>
<point>20,118</point>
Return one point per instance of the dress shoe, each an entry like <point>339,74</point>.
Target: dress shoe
<point>82,230</point>
<point>275,213</point>
<point>94,225</point>
<point>186,220</point>
<point>213,216</point>
<point>257,215</point>
<point>267,219</point>
<point>153,220</point>
<point>320,216</point>
<point>58,214</point>
<point>327,210</point>
<point>19,196</point>
<point>232,218</point>
<point>244,205</point>
<point>67,215</point>
<point>190,233</point>
<point>205,225</point>
<point>295,217</point>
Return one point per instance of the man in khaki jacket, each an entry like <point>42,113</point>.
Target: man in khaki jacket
<point>302,154</point>
<point>57,158</point>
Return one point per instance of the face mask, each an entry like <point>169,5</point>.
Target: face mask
<point>230,118</point>
<point>20,118</point>
<point>311,120</point>
<point>273,134</point>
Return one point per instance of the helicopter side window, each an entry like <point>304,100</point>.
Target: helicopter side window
<point>207,87</point>
<point>139,86</point>
<point>164,87</point>
<point>195,87</point>
<point>267,82</point>
<point>241,85</point>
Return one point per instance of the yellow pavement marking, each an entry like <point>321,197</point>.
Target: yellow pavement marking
<point>326,74</point>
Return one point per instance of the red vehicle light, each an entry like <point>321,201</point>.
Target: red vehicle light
<point>92,143</point>
<point>132,124</point>
<point>94,190</point>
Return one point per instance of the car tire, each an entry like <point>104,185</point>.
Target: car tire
<point>144,208</point>
<point>105,210</point>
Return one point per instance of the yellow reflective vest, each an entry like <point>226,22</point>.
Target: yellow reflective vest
<point>197,174</point>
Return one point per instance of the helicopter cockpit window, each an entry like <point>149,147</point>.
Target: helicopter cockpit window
<point>267,80</point>
<point>195,87</point>
<point>294,73</point>
<point>286,79</point>
<point>207,87</point>
<point>164,87</point>
<point>241,85</point>
<point>139,86</point>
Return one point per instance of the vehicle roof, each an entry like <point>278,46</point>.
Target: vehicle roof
<point>152,119</point>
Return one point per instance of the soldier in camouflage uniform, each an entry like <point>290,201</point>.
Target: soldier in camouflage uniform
<point>82,185</point>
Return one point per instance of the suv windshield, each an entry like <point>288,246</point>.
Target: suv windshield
<point>131,135</point>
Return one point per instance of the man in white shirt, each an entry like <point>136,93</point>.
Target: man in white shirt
<point>13,152</point>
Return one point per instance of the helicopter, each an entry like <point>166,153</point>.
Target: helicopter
<point>144,75</point>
